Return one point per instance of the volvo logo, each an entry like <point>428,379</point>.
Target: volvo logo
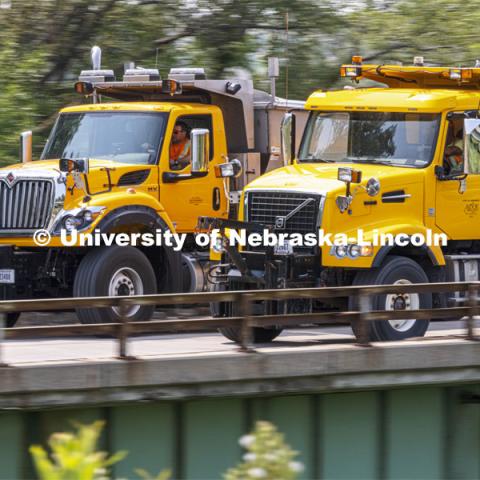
<point>280,222</point>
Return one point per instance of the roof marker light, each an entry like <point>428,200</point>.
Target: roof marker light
<point>357,60</point>
<point>350,71</point>
<point>455,74</point>
<point>418,61</point>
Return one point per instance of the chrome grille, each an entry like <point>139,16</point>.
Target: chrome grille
<point>264,207</point>
<point>27,205</point>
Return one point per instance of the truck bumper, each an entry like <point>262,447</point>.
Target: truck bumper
<point>276,271</point>
<point>7,279</point>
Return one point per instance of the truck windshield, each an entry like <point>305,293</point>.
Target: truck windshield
<point>126,137</point>
<point>402,139</point>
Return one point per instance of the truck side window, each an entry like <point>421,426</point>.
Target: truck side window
<point>453,157</point>
<point>180,142</point>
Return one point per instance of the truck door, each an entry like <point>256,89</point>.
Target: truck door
<point>457,208</point>
<point>188,198</point>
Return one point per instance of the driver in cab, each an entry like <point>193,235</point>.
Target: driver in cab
<point>454,151</point>
<point>180,146</point>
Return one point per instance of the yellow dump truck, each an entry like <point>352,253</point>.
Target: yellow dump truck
<point>392,169</point>
<point>107,167</point>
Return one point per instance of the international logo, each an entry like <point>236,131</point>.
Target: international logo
<point>10,179</point>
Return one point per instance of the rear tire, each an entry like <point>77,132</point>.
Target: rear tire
<point>397,270</point>
<point>114,271</point>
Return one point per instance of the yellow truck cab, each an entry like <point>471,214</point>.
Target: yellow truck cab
<point>111,167</point>
<point>394,171</point>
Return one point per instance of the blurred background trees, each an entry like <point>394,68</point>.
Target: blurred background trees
<point>45,43</point>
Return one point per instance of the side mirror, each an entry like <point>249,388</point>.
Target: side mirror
<point>288,138</point>
<point>233,168</point>
<point>348,176</point>
<point>471,146</point>
<point>79,165</point>
<point>26,147</point>
<point>200,148</point>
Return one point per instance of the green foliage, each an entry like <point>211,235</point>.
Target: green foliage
<point>164,475</point>
<point>74,456</point>
<point>268,456</point>
<point>44,45</point>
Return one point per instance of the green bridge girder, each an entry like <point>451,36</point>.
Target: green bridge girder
<point>407,433</point>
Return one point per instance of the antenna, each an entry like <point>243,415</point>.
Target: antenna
<point>96,54</point>
<point>156,57</point>
<point>286,56</point>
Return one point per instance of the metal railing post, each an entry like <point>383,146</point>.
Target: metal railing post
<point>123,332</point>
<point>246,333</point>
<point>473,306</point>
<point>3,324</point>
<point>365,303</point>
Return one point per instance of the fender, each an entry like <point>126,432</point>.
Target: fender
<point>116,202</point>
<point>435,257</point>
<point>134,215</point>
<point>138,214</point>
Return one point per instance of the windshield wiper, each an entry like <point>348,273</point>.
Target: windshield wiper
<point>323,160</point>
<point>367,160</point>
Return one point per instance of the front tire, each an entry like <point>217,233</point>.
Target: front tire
<point>12,319</point>
<point>259,334</point>
<point>395,270</point>
<point>114,271</point>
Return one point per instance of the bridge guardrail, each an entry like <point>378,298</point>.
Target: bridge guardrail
<point>246,321</point>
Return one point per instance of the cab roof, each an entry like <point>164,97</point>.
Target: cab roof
<point>431,100</point>
<point>138,106</point>
<point>409,88</point>
<point>419,76</point>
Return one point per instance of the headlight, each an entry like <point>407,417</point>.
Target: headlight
<point>77,219</point>
<point>71,223</point>
<point>88,216</point>
<point>354,251</point>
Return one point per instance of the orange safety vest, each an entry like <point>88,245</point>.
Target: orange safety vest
<point>179,151</point>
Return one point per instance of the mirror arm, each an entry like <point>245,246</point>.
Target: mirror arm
<point>444,178</point>
<point>294,137</point>
<point>109,185</point>
<point>171,177</point>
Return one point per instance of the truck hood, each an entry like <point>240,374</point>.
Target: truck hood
<point>321,178</point>
<point>50,169</point>
<point>52,166</point>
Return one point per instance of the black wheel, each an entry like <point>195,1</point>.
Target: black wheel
<point>11,319</point>
<point>114,271</point>
<point>259,335</point>
<point>395,270</point>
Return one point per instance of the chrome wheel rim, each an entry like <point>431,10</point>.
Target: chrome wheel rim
<point>125,282</point>
<point>402,301</point>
